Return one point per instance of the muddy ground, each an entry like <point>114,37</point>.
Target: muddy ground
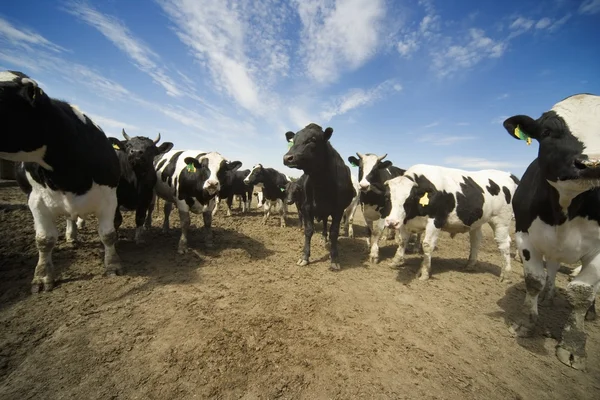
<point>243,321</point>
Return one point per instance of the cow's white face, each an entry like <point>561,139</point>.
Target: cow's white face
<point>569,138</point>
<point>215,162</point>
<point>368,163</point>
<point>397,191</point>
<point>253,175</point>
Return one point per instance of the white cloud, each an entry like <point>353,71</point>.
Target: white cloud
<point>431,125</point>
<point>543,23</point>
<point>502,96</point>
<point>24,38</point>
<point>109,124</point>
<point>520,26</point>
<point>408,45</point>
<point>478,163</point>
<point>590,7</point>
<point>359,97</point>
<point>338,35</point>
<point>441,140</point>
<point>463,123</point>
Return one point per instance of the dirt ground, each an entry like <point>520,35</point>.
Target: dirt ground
<point>243,321</point>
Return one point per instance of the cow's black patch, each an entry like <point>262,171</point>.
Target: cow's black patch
<point>274,182</point>
<point>232,183</point>
<point>440,205</point>
<point>469,201</point>
<point>167,174</point>
<point>493,188</point>
<point>526,254</point>
<point>507,195</point>
<point>515,179</point>
<point>161,163</point>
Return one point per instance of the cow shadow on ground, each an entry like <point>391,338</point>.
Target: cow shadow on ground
<point>407,272</point>
<point>551,320</point>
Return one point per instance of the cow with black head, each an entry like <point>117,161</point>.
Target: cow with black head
<point>69,169</point>
<point>328,189</point>
<point>557,214</point>
<point>234,186</point>
<point>273,184</point>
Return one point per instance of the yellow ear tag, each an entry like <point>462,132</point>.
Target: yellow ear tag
<point>424,200</point>
<point>191,168</point>
<point>522,135</point>
<point>116,147</point>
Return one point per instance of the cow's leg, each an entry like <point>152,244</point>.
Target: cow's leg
<point>475,239</point>
<point>431,236</point>
<point>244,203</point>
<point>403,238</point>
<point>581,292</point>
<point>334,233</point>
<point>80,223</point>
<point>324,237</point>
<point>140,217</point>
<point>207,217</point>
<point>535,279</point>
<point>378,227</point>
<point>502,238</point>
<point>390,234</point>
<point>283,213</point>
<point>71,232</point>
<point>309,229</point>
<point>590,314</point>
<point>229,203</point>
<point>108,235</point>
<point>184,221</point>
<point>168,207</point>
<point>217,201</point>
<point>46,235</point>
<point>267,208</point>
<point>547,295</point>
<point>148,222</point>
<point>118,220</point>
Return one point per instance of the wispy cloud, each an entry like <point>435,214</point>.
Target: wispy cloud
<point>111,125</point>
<point>25,38</point>
<point>503,96</point>
<point>442,140</point>
<point>338,35</point>
<point>463,123</point>
<point>590,7</point>
<point>499,120</point>
<point>359,97</point>
<point>479,163</point>
<point>431,125</point>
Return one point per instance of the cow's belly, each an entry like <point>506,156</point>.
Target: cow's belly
<point>416,224</point>
<point>199,208</point>
<point>164,191</point>
<point>565,243</point>
<point>72,205</point>
<point>370,212</point>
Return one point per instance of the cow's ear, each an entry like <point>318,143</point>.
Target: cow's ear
<point>32,92</point>
<point>116,143</point>
<point>192,164</point>
<point>522,127</point>
<point>234,165</point>
<point>165,147</point>
<point>289,136</point>
<point>328,132</point>
<point>384,164</point>
<point>353,161</point>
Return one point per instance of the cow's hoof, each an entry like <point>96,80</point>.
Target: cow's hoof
<point>335,267</point>
<point>590,315</point>
<point>373,260</point>
<point>422,276</point>
<point>396,263</point>
<point>470,265</point>
<point>546,299</point>
<point>41,286</point>
<point>302,262</point>
<point>114,269</point>
<point>521,330</point>
<point>567,357</point>
<point>182,250</point>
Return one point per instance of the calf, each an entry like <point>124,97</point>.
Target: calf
<point>433,199</point>
<point>273,188</point>
<point>557,214</point>
<point>328,188</point>
<point>372,173</point>
<point>190,180</point>
<point>234,186</point>
<point>294,194</point>
<point>70,168</point>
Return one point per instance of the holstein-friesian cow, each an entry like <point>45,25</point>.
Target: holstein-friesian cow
<point>71,168</point>
<point>328,188</point>
<point>234,185</point>
<point>557,214</point>
<point>373,172</point>
<point>273,188</point>
<point>433,199</point>
<point>190,179</point>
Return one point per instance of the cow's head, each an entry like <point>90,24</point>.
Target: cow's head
<point>256,175</point>
<point>569,142</point>
<point>368,170</point>
<point>140,150</point>
<point>397,193</point>
<point>24,105</point>
<point>197,172</point>
<point>228,172</point>
<point>218,167</point>
<point>308,148</point>
<point>293,191</point>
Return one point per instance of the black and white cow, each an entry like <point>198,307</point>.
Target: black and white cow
<point>557,214</point>
<point>190,179</point>
<point>328,189</point>
<point>234,185</point>
<point>273,189</point>
<point>432,199</point>
<point>70,168</point>
<point>373,172</point>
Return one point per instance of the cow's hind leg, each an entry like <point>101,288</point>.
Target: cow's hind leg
<point>108,235</point>
<point>168,207</point>
<point>581,292</point>
<point>148,222</point>
<point>378,227</point>
<point>334,233</point>
<point>71,232</point>
<point>502,238</point>
<point>46,235</point>
<point>184,221</point>
<point>207,217</point>
<point>403,238</point>
<point>547,295</point>
<point>475,239</point>
<point>431,236</point>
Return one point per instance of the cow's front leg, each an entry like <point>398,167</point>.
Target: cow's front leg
<point>283,213</point>
<point>207,217</point>
<point>108,235</point>
<point>309,229</point>
<point>148,222</point>
<point>581,293</point>
<point>431,236</point>
<point>140,217</point>
<point>535,278</point>
<point>267,210</point>
<point>184,220</point>
<point>378,227</point>
<point>547,295</point>
<point>167,208</point>
<point>324,238</point>
<point>334,233</point>
<point>403,239</point>
<point>229,203</point>
<point>475,239</point>
<point>502,238</point>
<point>71,232</point>
<point>46,235</point>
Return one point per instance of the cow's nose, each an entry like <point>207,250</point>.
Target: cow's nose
<point>212,183</point>
<point>288,158</point>
<point>391,222</point>
<point>247,182</point>
<point>582,163</point>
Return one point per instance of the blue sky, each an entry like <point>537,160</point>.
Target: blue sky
<point>426,81</point>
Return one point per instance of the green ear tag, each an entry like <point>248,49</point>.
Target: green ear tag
<point>191,168</point>
<point>282,189</point>
<point>522,135</point>
<point>290,144</point>
<point>354,165</point>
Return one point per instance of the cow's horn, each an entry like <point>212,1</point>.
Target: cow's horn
<point>125,135</point>
<point>157,138</point>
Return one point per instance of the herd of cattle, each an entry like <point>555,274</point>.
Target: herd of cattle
<point>68,167</point>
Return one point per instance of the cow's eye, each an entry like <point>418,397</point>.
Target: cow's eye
<point>545,133</point>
